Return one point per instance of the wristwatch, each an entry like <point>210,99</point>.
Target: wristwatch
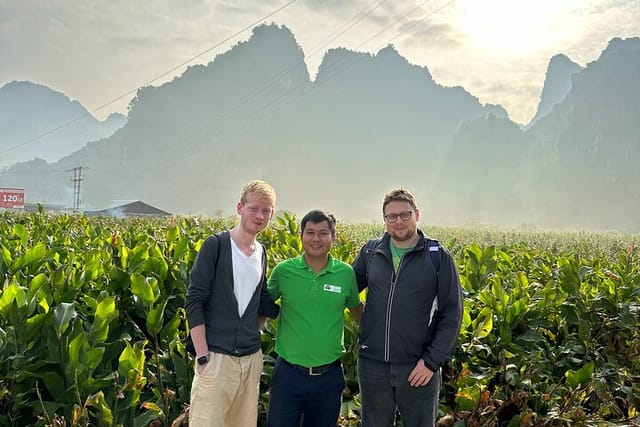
<point>203,360</point>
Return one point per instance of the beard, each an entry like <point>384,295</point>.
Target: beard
<point>403,235</point>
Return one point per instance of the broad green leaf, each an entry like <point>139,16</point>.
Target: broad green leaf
<point>467,398</point>
<point>172,233</point>
<point>581,376</point>
<point>93,265</point>
<point>42,300</point>
<point>170,330</point>
<point>54,382</point>
<point>94,357</point>
<point>180,249</point>
<point>584,271</point>
<point>474,253</point>
<point>22,233</point>
<point>105,312</point>
<point>131,361</point>
<point>31,256</point>
<point>522,279</point>
<point>124,256</point>
<point>5,260</point>
<point>141,288</point>
<point>155,318</point>
<point>466,318</point>
<point>484,324</point>
<point>104,414</point>
<point>78,348</point>
<point>500,295</point>
<point>12,293</point>
<point>515,312</point>
<point>35,324</point>
<point>147,418</point>
<point>62,315</point>
<point>154,264</point>
<point>137,256</point>
<point>37,282</point>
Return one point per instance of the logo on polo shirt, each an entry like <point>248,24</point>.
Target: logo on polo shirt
<point>332,288</point>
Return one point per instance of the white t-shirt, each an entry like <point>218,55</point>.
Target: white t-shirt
<point>247,271</point>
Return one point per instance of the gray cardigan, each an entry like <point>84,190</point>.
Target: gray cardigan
<point>210,300</point>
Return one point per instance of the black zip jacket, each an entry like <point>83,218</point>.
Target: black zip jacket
<point>400,323</point>
<point>210,300</point>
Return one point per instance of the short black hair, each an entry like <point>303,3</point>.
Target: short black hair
<point>316,216</point>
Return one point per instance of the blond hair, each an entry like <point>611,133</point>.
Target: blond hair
<point>260,189</point>
<point>399,195</point>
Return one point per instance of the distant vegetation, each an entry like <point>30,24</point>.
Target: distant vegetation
<point>92,325</point>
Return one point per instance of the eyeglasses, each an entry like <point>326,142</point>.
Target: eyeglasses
<point>394,217</point>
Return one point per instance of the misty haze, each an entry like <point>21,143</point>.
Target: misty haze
<point>364,124</point>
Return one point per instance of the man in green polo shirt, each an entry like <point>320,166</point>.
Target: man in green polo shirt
<point>314,289</point>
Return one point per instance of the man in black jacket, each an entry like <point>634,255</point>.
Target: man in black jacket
<point>227,293</point>
<point>411,318</point>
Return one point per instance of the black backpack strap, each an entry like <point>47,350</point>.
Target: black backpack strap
<point>433,247</point>
<point>369,247</point>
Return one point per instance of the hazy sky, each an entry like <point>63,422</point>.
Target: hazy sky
<point>96,51</point>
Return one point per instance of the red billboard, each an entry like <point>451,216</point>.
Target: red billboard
<point>12,198</point>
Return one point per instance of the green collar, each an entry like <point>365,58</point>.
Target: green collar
<point>300,262</point>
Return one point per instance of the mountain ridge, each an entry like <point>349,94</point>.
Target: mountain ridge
<point>367,123</point>
<point>556,86</point>
<point>46,123</point>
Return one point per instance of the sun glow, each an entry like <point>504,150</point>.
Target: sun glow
<point>508,27</point>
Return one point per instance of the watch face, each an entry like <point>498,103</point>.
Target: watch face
<point>202,360</point>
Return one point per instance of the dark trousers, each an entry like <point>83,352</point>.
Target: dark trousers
<point>296,394</point>
<point>384,387</point>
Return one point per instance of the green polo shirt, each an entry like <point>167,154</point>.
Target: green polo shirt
<point>311,323</point>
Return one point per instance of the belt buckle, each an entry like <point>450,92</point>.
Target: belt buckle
<point>314,374</point>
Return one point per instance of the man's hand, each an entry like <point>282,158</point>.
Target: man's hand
<point>421,375</point>
<point>356,312</point>
<point>262,321</point>
<point>201,368</point>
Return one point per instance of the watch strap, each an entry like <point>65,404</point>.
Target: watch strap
<point>204,359</point>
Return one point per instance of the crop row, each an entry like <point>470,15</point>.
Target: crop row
<point>93,329</point>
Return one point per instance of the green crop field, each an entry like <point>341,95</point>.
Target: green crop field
<point>93,329</point>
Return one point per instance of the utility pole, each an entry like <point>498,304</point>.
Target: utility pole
<point>77,179</point>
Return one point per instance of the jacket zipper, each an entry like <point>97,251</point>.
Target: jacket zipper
<point>387,326</point>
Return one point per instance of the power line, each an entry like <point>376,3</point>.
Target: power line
<point>363,13</point>
<point>428,15</point>
<point>347,26</point>
<point>344,55</point>
<point>248,27</point>
<point>278,99</point>
<point>255,115</point>
<point>406,14</point>
<point>350,24</point>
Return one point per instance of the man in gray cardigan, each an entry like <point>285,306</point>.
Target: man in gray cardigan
<point>226,301</point>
